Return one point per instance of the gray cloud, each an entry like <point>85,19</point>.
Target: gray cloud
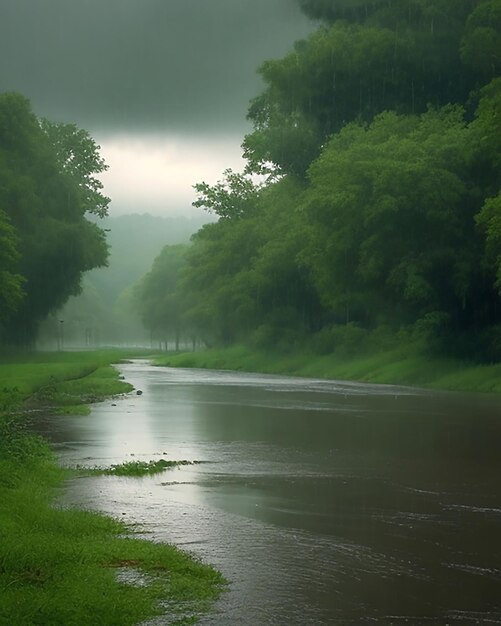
<point>139,65</point>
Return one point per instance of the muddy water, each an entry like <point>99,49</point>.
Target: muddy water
<point>321,502</point>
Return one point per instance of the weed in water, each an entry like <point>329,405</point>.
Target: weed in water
<point>136,468</point>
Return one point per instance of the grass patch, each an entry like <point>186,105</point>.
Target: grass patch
<point>69,567</point>
<point>60,378</point>
<point>136,468</point>
<point>59,567</point>
<point>97,385</point>
<point>401,366</point>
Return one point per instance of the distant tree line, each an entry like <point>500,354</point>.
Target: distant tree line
<point>48,188</point>
<point>378,141</point>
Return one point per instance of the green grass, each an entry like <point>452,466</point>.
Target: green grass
<point>92,387</point>
<point>59,566</point>
<point>405,365</point>
<point>136,468</point>
<point>57,376</point>
<point>68,567</point>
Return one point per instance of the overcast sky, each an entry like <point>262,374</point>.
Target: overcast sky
<point>162,85</point>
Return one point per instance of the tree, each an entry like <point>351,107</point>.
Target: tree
<point>487,126</point>
<point>244,279</point>
<point>399,56</point>
<point>46,196</point>
<point>233,197</point>
<point>489,221</point>
<point>287,304</point>
<point>393,210</point>
<point>157,296</point>
<point>11,291</point>
<point>219,304</point>
<point>78,159</point>
<point>481,45</point>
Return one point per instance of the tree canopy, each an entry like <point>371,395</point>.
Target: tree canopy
<point>369,57</point>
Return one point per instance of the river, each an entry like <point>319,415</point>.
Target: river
<point>322,502</point>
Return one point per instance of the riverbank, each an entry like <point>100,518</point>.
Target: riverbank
<point>70,567</point>
<point>397,366</point>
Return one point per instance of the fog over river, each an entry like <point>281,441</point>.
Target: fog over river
<point>321,502</point>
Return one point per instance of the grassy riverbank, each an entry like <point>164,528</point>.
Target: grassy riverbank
<point>68,567</point>
<point>398,366</point>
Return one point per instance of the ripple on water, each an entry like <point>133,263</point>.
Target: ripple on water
<point>323,502</point>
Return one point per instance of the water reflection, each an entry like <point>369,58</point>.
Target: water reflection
<point>324,503</point>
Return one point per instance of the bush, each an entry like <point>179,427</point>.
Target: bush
<point>347,340</point>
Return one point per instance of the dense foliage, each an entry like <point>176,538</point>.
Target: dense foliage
<point>47,188</point>
<point>157,296</point>
<point>379,139</point>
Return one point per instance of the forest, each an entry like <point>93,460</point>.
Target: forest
<point>370,208</point>
<point>369,211</point>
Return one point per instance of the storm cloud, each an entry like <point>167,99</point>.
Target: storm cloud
<point>142,65</point>
<point>162,85</point>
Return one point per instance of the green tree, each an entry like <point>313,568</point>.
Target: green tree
<point>46,201</point>
<point>481,45</point>
<point>487,126</point>
<point>230,198</point>
<point>78,159</point>
<point>287,305</point>
<point>393,208</point>
<point>11,292</point>
<point>219,304</point>
<point>399,56</point>
<point>157,296</point>
<point>244,279</point>
<point>489,220</point>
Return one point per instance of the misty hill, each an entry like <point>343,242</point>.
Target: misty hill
<point>135,240</point>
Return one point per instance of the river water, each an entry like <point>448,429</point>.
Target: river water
<point>321,502</point>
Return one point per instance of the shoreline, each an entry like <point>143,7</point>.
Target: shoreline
<point>392,367</point>
<point>62,566</point>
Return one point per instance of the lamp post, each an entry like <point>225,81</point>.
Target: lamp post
<point>61,334</point>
